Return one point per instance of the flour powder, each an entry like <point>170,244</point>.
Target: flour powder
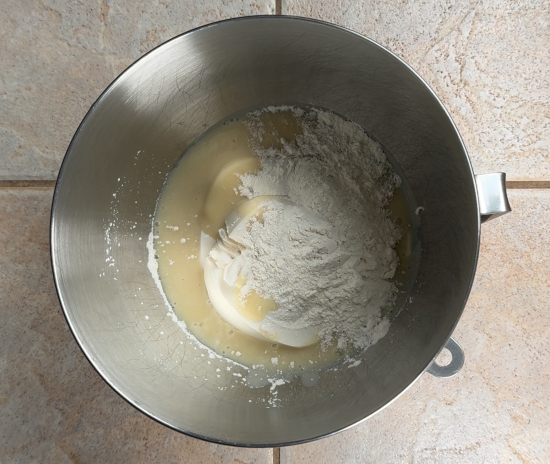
<point>328,261</point>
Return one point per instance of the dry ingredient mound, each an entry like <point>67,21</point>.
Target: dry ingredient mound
<point>330,261</point>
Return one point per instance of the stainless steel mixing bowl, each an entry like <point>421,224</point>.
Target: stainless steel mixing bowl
<point>132,137</point>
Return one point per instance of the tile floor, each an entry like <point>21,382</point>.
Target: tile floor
<point>487,60</point>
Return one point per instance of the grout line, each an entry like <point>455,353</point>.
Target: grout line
<point>528,184</point>
<point>278,7</point>
<point>276,455</point>
<point>32,184</point>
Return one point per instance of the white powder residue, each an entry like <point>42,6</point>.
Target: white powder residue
<point>329,260</point>
<point>354,363</point>
<point>274,401</point>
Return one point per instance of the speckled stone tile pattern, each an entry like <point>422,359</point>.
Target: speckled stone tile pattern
<point>497,409</point>
<point>488,61</point>
<point>56,57</point>
<point>54,407</point>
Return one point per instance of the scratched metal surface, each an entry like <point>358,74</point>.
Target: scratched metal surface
<point>132,138</point>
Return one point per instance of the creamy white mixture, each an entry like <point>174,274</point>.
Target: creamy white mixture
<point>276,240</point>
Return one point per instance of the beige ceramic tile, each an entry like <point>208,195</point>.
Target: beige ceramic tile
<point>54,407</point>
<point>497,409</point>
<point>56,57</point>
<point>489,61</point>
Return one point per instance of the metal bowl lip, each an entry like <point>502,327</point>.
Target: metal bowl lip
<point>59,182</point>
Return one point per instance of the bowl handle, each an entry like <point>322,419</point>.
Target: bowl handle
<point>493,202</point>
<point>454,366</point>
<point>491,192</point>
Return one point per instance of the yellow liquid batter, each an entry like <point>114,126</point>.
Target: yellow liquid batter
<point>199,194</point>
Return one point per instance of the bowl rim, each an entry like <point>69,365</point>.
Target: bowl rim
<point>59,185</point>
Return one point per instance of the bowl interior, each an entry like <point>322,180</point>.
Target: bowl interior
<point>133,136</point>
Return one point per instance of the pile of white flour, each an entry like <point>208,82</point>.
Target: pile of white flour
<point>329,261</point>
